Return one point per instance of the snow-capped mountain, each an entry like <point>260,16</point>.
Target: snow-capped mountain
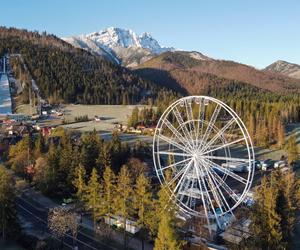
<point>120,45</point>
<point>285,68</point>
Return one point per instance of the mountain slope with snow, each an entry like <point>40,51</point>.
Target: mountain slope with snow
<point>285,68</point>
<point>122,46</point>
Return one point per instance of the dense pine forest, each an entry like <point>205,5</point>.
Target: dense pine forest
<point>66,74</point>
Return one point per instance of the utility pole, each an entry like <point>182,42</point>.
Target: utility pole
<point>30,101</point>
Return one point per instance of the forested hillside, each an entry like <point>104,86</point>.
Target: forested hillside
<point>195,75</point>
<point>66,74</point>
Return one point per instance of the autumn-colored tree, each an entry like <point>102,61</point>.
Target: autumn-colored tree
<point>57,223</point>
<point>20,155</point>
<point>60,221</point>
<point>136,168</point>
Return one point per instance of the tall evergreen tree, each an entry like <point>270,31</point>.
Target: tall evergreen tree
<point>8,216</point>
<point>265,226</point>
<point>292,149</point>
<point>143,203</point>
<point>280,133</point>
<point>79,182</point>
<point>123,198</point>
<point>108,193</point>
<point>166,237</point>
<point>92,197</point>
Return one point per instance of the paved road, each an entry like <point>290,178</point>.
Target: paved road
<point>38,217</point>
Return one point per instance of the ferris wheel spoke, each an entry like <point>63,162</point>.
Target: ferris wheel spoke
<point>225,186</point>
<point>172,153</point>
<point>184,128</point>
<point>225,145</point>
<point>181,173</point>
<point>177,134</point>
<point>201,115</point>
<point>172,142</point>
<point>180,181</point>
<point>228,172</point>
<point>209,198</point>
<point>175,164</point>
<point>220,133</point>
<point>230,159</point>
<point>213,190</point>
<point>213,173</point>
<point>211,123</point>
<point>203,199</point>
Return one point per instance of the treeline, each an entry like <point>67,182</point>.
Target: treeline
<point>66,74</point>
<point>265,114</point>
<point>51,162</point>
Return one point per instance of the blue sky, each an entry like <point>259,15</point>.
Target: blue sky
<point>252,32</point>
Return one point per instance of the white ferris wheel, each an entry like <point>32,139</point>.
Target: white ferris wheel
<point>203,153</point>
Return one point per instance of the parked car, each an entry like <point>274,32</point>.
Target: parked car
<point>280,164</point>
<point>257,164</point>
<point>265,164</point>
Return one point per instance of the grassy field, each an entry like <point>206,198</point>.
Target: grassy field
<point>110,115</point>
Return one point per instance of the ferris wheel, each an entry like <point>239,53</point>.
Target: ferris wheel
<point>203,154</point>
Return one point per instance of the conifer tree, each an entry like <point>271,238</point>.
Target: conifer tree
<point>53,156</point>
<point>143,203</point>
<point>123,198</point>
<point>166,236</point>
<point>134,119</point>
<point>104,158</point>
<point>79,182</point>
<point>108,192</point>
<point>39,146</point>
<point>8,215</point>
<point>280,134</point>
<point>292,149</point>
<point>265,226</point>
<point>92,197</point>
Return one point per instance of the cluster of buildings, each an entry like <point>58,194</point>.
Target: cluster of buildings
<point>139,129</point>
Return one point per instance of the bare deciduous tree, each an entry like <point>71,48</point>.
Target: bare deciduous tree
<point>60,221</point>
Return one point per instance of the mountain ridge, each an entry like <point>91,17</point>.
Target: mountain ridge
<point>195,75</point>
<point>123,46</point>
<point>285,68</point>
